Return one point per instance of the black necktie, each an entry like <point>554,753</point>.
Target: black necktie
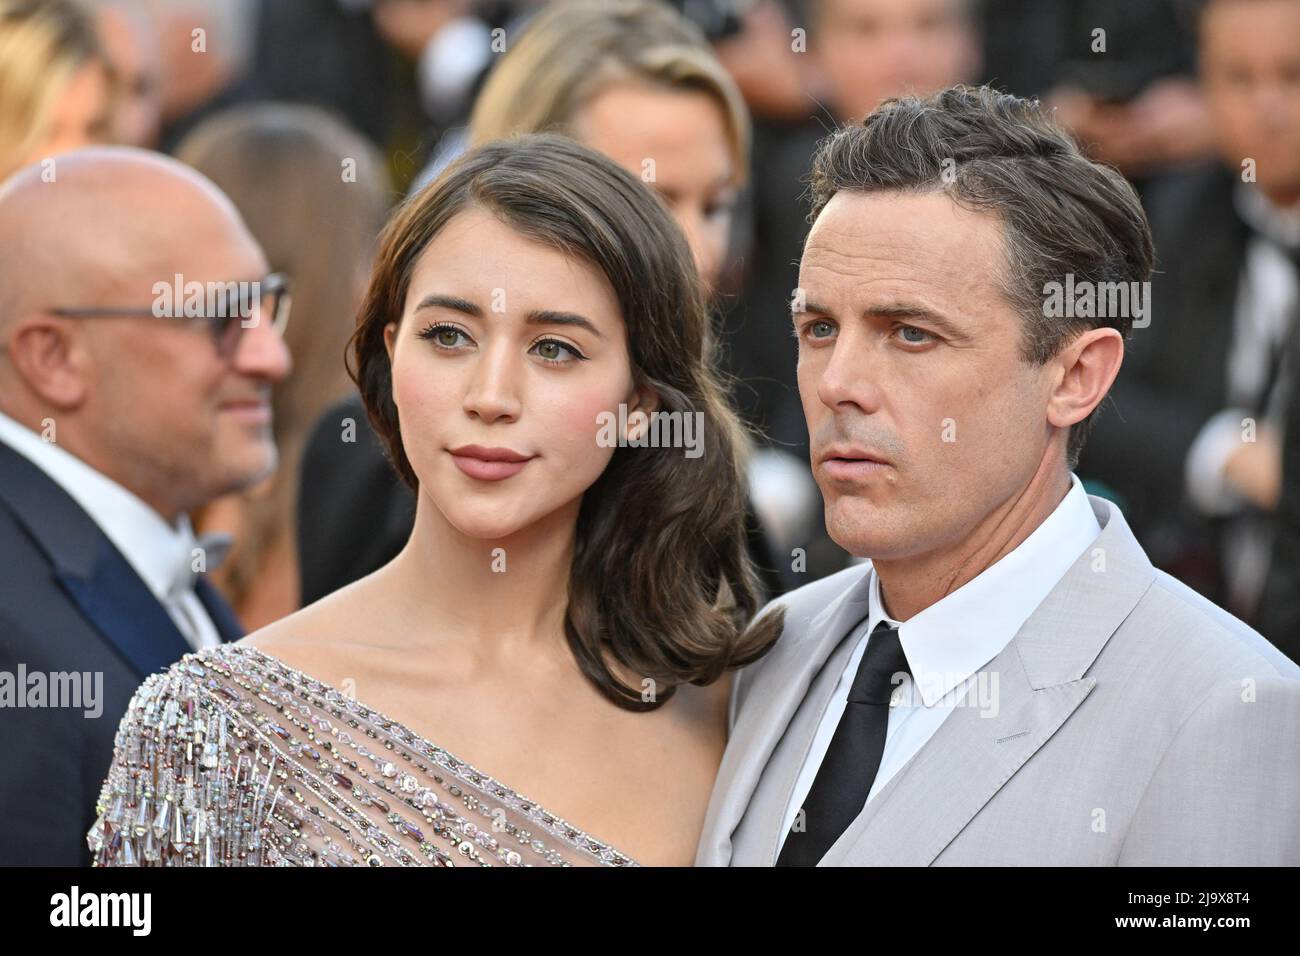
<point>843,781</point>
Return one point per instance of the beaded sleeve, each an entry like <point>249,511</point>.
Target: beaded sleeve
<point>232,758</point>
<point>183,789</point>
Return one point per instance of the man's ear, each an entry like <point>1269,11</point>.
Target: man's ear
<point>51,358</point>
<point>1088,367</point>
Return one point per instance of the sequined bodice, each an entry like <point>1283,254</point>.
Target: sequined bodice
<point>233,758</point>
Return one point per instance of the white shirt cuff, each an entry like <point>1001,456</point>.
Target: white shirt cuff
<point>450,63</point>
<point>1207,483</point>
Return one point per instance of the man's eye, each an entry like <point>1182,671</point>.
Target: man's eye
<point>820,329</point>
<point>911,328</point>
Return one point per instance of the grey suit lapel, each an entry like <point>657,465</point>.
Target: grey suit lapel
<point>778,690</point>
<point>931,799</point>
<point>957,772</point>
<point>1039,683</point>
<point>773,794</point>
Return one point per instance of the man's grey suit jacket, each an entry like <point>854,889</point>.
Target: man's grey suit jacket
<point>1135,723</point>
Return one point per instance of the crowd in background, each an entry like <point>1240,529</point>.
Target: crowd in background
<point>317,116</point>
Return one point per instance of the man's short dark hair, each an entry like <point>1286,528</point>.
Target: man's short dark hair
<point>993,152</point>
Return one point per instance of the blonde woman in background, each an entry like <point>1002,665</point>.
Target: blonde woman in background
<point>54,84</point>
<point>637,81</point>
<point>314,194</point>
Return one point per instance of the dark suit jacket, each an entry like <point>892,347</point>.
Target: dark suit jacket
<point>355,514</point>
<point>69,602</point>
<point>1174,376</point>
<point>1279,613</point>
<point>758,349</point>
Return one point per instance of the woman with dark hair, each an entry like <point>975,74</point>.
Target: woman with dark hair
<point>638,81</point>
<point>571,598</point>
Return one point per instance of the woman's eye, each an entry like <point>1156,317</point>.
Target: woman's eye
<point>553,351</point>
<point>444,336</point>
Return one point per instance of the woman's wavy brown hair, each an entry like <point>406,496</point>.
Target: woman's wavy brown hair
<point>660,579</point>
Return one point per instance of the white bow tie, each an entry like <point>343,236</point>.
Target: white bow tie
<point>212,549</point>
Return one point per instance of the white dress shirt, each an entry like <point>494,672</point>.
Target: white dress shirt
<point>947,643</point>
<point>160,554</point>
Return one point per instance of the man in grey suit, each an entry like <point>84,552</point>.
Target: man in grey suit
<point>1008,680</point>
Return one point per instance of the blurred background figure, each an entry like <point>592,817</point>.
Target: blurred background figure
<point>120,413</point>
<point>403,72</point>
<point>1120,75</point>
<point>1279,612</point>
<point>206,52</point>
<point>130,40</point>
<point>1195,443</point>
<point>314,195</point>
<point>638,82</point>
<point>870,50</point>
<point>54,81</point>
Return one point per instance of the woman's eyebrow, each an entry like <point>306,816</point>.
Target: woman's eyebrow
<point>548,317</point>
<point>535,317</point>
<point>453,302</point>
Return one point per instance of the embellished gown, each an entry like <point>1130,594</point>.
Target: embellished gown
<point>233,758</point>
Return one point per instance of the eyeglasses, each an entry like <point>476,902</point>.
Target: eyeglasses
<point>226,308</point>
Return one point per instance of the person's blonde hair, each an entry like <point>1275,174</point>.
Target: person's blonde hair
<point>42,44</point>
<point>574,49</point>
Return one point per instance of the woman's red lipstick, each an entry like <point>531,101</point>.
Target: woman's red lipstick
<point>489,464</point>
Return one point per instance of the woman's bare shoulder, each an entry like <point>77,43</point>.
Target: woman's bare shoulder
<point>709,703</point>
<point>313,637</point>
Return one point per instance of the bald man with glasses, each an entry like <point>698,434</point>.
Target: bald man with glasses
<point>123,407</point>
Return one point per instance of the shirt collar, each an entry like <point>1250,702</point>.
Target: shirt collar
<point>1277,223</point>
<point>954,637</point>
<point>158,552</point>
